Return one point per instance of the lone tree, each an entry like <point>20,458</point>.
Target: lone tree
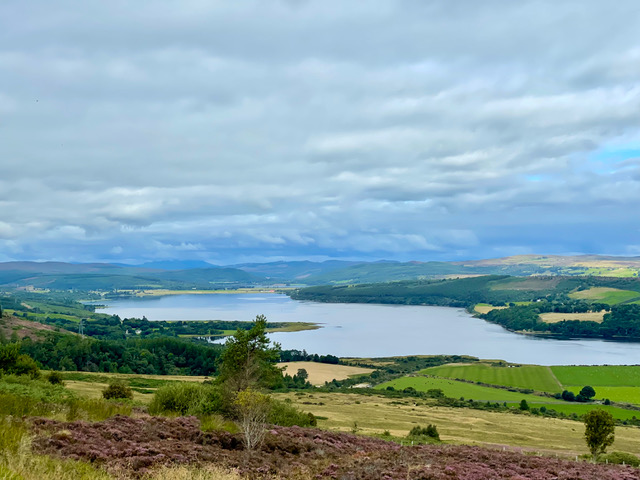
<point>588,392</point>
<point>249,359</point>
<point>599,431</point>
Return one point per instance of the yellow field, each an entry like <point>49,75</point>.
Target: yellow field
<point>374,415</point>
<point>323,372</point>
<point>553,317</point>
<point>486,308</point>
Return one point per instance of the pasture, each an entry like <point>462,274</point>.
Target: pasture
<point>372,415</point>
<point>319,373</point>
<point>455,389</point>
<point>615,394</point>
<point>611,296</point>
<point>535,377</point>
<point>601,375</point>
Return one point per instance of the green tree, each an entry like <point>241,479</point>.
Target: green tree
<point>599,431</point>
<point>588,392</point>
<point>249,359</point>
<point>524,405</point>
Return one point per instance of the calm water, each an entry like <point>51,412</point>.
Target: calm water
<point>354,330</point>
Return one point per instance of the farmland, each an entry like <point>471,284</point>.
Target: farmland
<point>601,375</point>
<point>468,391</point>
<point>612,296</point>
<point>553,317</point>
<point>533,377</point>
<point>319,373</point>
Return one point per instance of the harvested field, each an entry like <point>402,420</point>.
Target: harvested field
<point>485,308</point>
<point>323,372</point>
<point>139,446</point>
<point>553,317</point>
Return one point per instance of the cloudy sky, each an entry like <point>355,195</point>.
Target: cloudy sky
<point>233,131</point>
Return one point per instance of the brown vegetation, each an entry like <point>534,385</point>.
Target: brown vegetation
<point>140,446</point>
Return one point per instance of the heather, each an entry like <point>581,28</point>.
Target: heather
<point>140,446</point>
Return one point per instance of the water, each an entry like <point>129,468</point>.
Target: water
<point>364,330</point>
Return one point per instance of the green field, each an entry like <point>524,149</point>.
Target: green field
<point>612,296</point>
<point>534,377</point>
<point>582,408</point>
<point>615,394</point>
<point>455,389</point>
<point>602,375</point>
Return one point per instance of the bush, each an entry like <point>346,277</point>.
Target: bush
<point>621,457</point>
<point>287,416</point>
<point>118,390</point>
<point>430,433</point>
<point>187,398</point>
<point>55,378</point>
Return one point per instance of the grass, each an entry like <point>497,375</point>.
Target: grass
<point>582,408</point>
<point>534,377</point>
<point>552,317</point>
<point>455,389</point>
<point>611,296</point>
<point>91,385</point>
<point>323,372</point>
<point>615,394</point>
<point>374,415</point>
<point>602,375</point>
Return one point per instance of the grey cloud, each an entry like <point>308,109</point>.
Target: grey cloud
<point>238,129</point>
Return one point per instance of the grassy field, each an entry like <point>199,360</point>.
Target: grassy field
<point>582,408</point>
<point>324,372</point>
<point>374,415</point>
<point>615,394</point>
<point>91,385</point>
<point>534,377</point>
<point>553,317</point>
<point>603,375</point>
<point>455,389</point>
<point>612,296</point>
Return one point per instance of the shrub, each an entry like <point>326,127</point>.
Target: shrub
<point>287,416</point>
<point>428,433</point>
<point>55,378</point>
<point>187,398</point>
<point>118,390</point>
<point>620,458</point>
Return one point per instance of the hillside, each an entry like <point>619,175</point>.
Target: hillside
<point>181,275</point>
<point>136,445</point>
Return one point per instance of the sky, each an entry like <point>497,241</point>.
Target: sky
<point>265,130</point>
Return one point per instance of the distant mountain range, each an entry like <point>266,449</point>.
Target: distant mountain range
<point>202,275</point>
